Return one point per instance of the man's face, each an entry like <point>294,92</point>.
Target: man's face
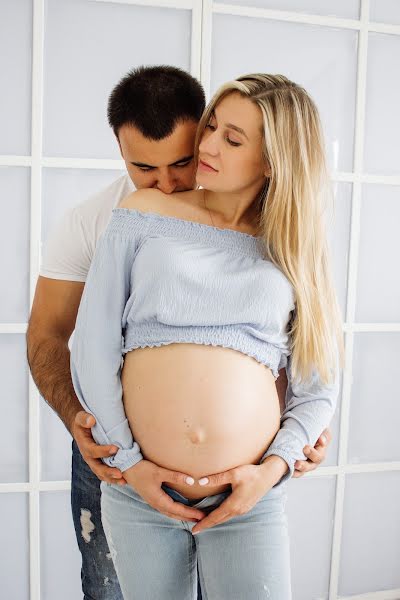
<point>165,164</point>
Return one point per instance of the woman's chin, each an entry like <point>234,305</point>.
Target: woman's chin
<point>205,182</point>
<point>199,178</point>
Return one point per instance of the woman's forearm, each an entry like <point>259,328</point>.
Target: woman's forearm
<point>277,465</point>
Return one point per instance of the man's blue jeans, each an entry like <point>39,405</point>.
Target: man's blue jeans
<point>99,580</point>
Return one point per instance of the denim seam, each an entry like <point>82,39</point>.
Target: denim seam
<point>192,559</point>
<point>204,593</point>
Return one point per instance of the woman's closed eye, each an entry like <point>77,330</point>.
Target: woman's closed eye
<point>232,143</point>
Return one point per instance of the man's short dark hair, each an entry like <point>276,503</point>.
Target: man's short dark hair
<point>155,99</point>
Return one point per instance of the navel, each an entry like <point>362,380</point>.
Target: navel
<point>197,435</point>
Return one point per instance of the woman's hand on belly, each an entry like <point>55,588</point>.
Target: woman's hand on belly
<point>249,484</point>
<point>146,479</point>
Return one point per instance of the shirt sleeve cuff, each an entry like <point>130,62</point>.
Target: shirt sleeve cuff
<point>124,458</point>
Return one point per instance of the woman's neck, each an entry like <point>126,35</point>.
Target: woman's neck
<point>233,210</point>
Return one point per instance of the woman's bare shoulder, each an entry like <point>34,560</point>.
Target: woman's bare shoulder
<point>155,201</point>
<point>145,199</point>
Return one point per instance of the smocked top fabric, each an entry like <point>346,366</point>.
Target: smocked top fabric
<point>198,283</point>
<point>157,280</point>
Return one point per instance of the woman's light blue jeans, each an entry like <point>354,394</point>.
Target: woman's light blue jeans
<point>155,556</point>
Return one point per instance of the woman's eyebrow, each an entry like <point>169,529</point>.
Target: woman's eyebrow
<point>231,126</point>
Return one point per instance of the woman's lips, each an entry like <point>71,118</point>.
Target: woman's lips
<point>205,167</point>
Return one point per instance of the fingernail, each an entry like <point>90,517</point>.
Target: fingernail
<point>323,438</point>
<point>195,532</point>
<point>203,481</point>
<point>112,451</point>
<point>88,421</point>
<point>307,450</point>
<point>189,480</point>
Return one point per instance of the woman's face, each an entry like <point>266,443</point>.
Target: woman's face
<point>235,155</point>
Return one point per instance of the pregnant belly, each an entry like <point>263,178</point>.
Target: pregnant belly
<point>199,409</point>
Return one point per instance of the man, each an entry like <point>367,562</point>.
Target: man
<point>154,112</point>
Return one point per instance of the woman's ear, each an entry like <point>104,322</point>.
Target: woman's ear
<point>267,170</point>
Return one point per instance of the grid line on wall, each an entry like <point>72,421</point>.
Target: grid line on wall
<point>35,236</point>
<point>178,4</point>
<point>201,53</point>
<point>110,164</point>
<point>195,52</point>
<point>333,470</point>
<point>347,327</point>
<point>304,18</point>
<point>351,295</point>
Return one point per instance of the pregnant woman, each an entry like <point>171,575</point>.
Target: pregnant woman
<point>190,308</point>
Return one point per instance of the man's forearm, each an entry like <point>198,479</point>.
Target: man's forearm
<point>49,362</point>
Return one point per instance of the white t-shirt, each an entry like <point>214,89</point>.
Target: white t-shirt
<point>68,251</point>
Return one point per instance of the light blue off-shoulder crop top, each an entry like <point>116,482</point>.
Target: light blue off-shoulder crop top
<point>157,280</point>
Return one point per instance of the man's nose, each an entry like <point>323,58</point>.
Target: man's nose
<point>166,183</point>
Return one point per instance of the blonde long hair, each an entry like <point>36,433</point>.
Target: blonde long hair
<point>291,214</point>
